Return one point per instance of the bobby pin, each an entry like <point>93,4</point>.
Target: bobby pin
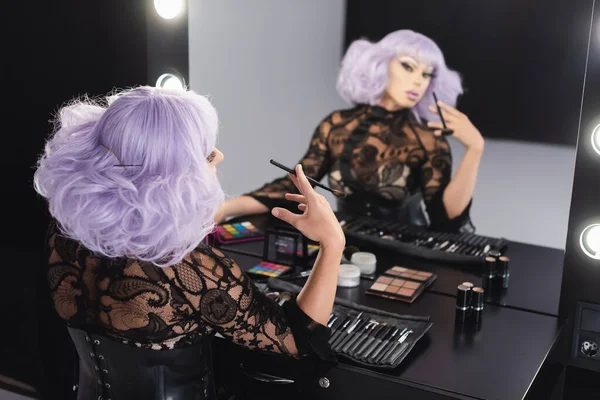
<point>121,164</point>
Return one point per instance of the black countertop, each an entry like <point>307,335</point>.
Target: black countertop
<point>498,361</point>
<point>535,272</point>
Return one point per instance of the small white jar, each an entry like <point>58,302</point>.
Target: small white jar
<point>348,276</point>
<point>366,262</point>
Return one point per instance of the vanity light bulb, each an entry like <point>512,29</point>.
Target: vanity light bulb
<point>590,241</point>
<point>169,81</point>
<point>168,9</point>
<point>596,138</point>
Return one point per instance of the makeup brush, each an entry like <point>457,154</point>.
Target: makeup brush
<point>445,131</point>
<point>336,192</point>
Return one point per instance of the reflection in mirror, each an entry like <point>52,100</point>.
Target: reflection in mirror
<point>517,85</point>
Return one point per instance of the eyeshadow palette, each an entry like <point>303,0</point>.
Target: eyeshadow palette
<point>267,269</point>
<point>412,274</point>
<point>402,284</point>
<point>311,248</point>
<point>236,233</point>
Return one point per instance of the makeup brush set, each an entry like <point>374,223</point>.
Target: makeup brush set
<point>467,249</point>
<point>371,339</point>
<point>366,336</point>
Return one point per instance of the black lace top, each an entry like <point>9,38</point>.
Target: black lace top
<point>391,157</point>
<point>146,306</point>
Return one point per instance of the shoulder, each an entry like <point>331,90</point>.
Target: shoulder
<point>340,117</point>
<point>210,259</point>
<point>345,114</point>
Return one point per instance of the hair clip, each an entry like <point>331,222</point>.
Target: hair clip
<point>118,159</point>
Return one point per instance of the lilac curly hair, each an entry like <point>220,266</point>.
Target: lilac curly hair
<point>364,73</point>
<point>129,176</point>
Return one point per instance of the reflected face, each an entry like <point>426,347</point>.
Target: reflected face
<point>214,158</point>
<point>407,82</point>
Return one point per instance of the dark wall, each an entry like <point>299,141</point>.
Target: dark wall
<point>522,61</point>
<point>51,52</point>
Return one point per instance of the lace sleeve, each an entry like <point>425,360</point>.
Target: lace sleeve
<point>436,173</point>
<point>226,299</point>
<point>316,162</point>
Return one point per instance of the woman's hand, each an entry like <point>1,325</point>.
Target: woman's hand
<point>317,221</point>
<point>463,128</point>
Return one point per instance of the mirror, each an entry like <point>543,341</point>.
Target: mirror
<point>272,76</point>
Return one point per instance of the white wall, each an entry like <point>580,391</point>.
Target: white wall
<point>523,191</point>
<point>270,67</point>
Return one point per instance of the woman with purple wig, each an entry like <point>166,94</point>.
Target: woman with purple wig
<point>388,149</point>
<point>131,185</point>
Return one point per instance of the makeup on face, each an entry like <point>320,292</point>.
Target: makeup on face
<point>408,79</point>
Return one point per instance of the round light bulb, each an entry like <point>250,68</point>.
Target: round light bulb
<point>590,241</point>
<point>169,81</point>
<point>168,9</point>
<point>596,138</point>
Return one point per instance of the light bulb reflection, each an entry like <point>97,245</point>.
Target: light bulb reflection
<point>590,241</point>
<point>169,81</point>
<point>168,9</point>
<point>596,138</point>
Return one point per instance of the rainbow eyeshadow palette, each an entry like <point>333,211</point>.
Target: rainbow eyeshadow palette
<point>267,269</point>
<point>312,248</point>
<point>237,233</point>
<point>402,284</point>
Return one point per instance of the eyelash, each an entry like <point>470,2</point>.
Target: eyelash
<point>409,68</point>
<point>211,157</point>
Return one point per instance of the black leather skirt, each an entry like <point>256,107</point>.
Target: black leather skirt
<point>411,211</point>
<point>110,370</point>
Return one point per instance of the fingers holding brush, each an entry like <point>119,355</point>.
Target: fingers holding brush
<point>317,222</point>
<point>298,198</point>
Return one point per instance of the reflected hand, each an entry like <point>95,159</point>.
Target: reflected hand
<point>317,221</point>
<point>463,128</point>
<point>220,215</point>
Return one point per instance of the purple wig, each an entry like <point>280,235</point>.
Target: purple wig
<point>364,73</point>
<point>130,178</point>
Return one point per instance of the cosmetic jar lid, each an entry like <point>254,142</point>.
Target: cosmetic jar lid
<point>367,262</point>
<point>348,275</point>
<point>494,253</point>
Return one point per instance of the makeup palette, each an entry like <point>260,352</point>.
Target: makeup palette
<point>267,269</point>
<point>311,249</point>
<point>412,274</point>
<point>236,233</point>
<point>402,284</point>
